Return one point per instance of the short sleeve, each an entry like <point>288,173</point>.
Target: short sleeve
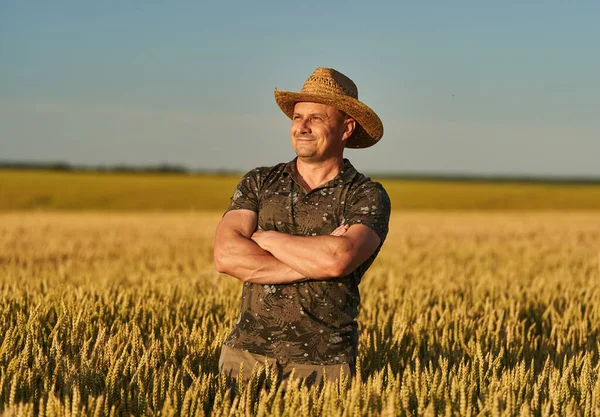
<point>245,196</point>
<point>370,205</point>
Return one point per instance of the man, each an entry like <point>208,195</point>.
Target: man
<point>300,235</point>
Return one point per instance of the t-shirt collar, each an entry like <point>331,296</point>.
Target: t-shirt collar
<point>346,174</point>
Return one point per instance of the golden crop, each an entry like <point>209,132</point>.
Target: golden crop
<point>462,314</point>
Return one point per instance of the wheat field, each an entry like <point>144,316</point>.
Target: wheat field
<point>109,191</point>
<point>480,313</point>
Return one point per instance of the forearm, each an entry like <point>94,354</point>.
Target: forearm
<point>243,259</point>
<point>320,257</point>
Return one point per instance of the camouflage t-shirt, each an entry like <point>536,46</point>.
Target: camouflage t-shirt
<point>312,321</point>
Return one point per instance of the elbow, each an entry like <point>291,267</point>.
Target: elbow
<point>220,267</point>
<point>338,266</point>
<point>339,262</point>
<point>220,260</point>
<point>226,264</point>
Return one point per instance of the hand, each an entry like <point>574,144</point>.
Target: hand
<point>259,237</point>
<point>340,230</point>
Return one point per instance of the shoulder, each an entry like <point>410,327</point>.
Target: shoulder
<point>250,187</point>
<point>261,175</point>
<point>368,203</point>
<point>364,187</point>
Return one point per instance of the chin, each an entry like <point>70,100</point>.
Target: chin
<point>304,153</point>
<point>312,158</point>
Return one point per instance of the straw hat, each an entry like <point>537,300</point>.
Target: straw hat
<point>328,86</point>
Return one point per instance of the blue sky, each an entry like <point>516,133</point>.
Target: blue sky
<point>461,87</point>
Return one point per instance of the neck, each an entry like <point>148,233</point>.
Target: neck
<point>314,174</point>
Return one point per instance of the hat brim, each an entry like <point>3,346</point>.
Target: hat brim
<point>369,129</point>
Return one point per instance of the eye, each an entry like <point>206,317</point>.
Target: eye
<point>317,118</point>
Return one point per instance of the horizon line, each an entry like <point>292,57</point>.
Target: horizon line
<point>180,169</point>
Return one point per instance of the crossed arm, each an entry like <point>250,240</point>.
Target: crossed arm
<point>269,257</point>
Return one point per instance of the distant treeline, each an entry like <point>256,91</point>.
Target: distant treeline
<point>118,168</point>
<point>180,169</point>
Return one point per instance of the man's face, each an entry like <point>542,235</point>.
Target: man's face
<point>318,131</point>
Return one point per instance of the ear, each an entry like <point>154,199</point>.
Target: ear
<point>349,126</point>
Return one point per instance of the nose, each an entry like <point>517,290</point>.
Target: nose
<point>302,125</point>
